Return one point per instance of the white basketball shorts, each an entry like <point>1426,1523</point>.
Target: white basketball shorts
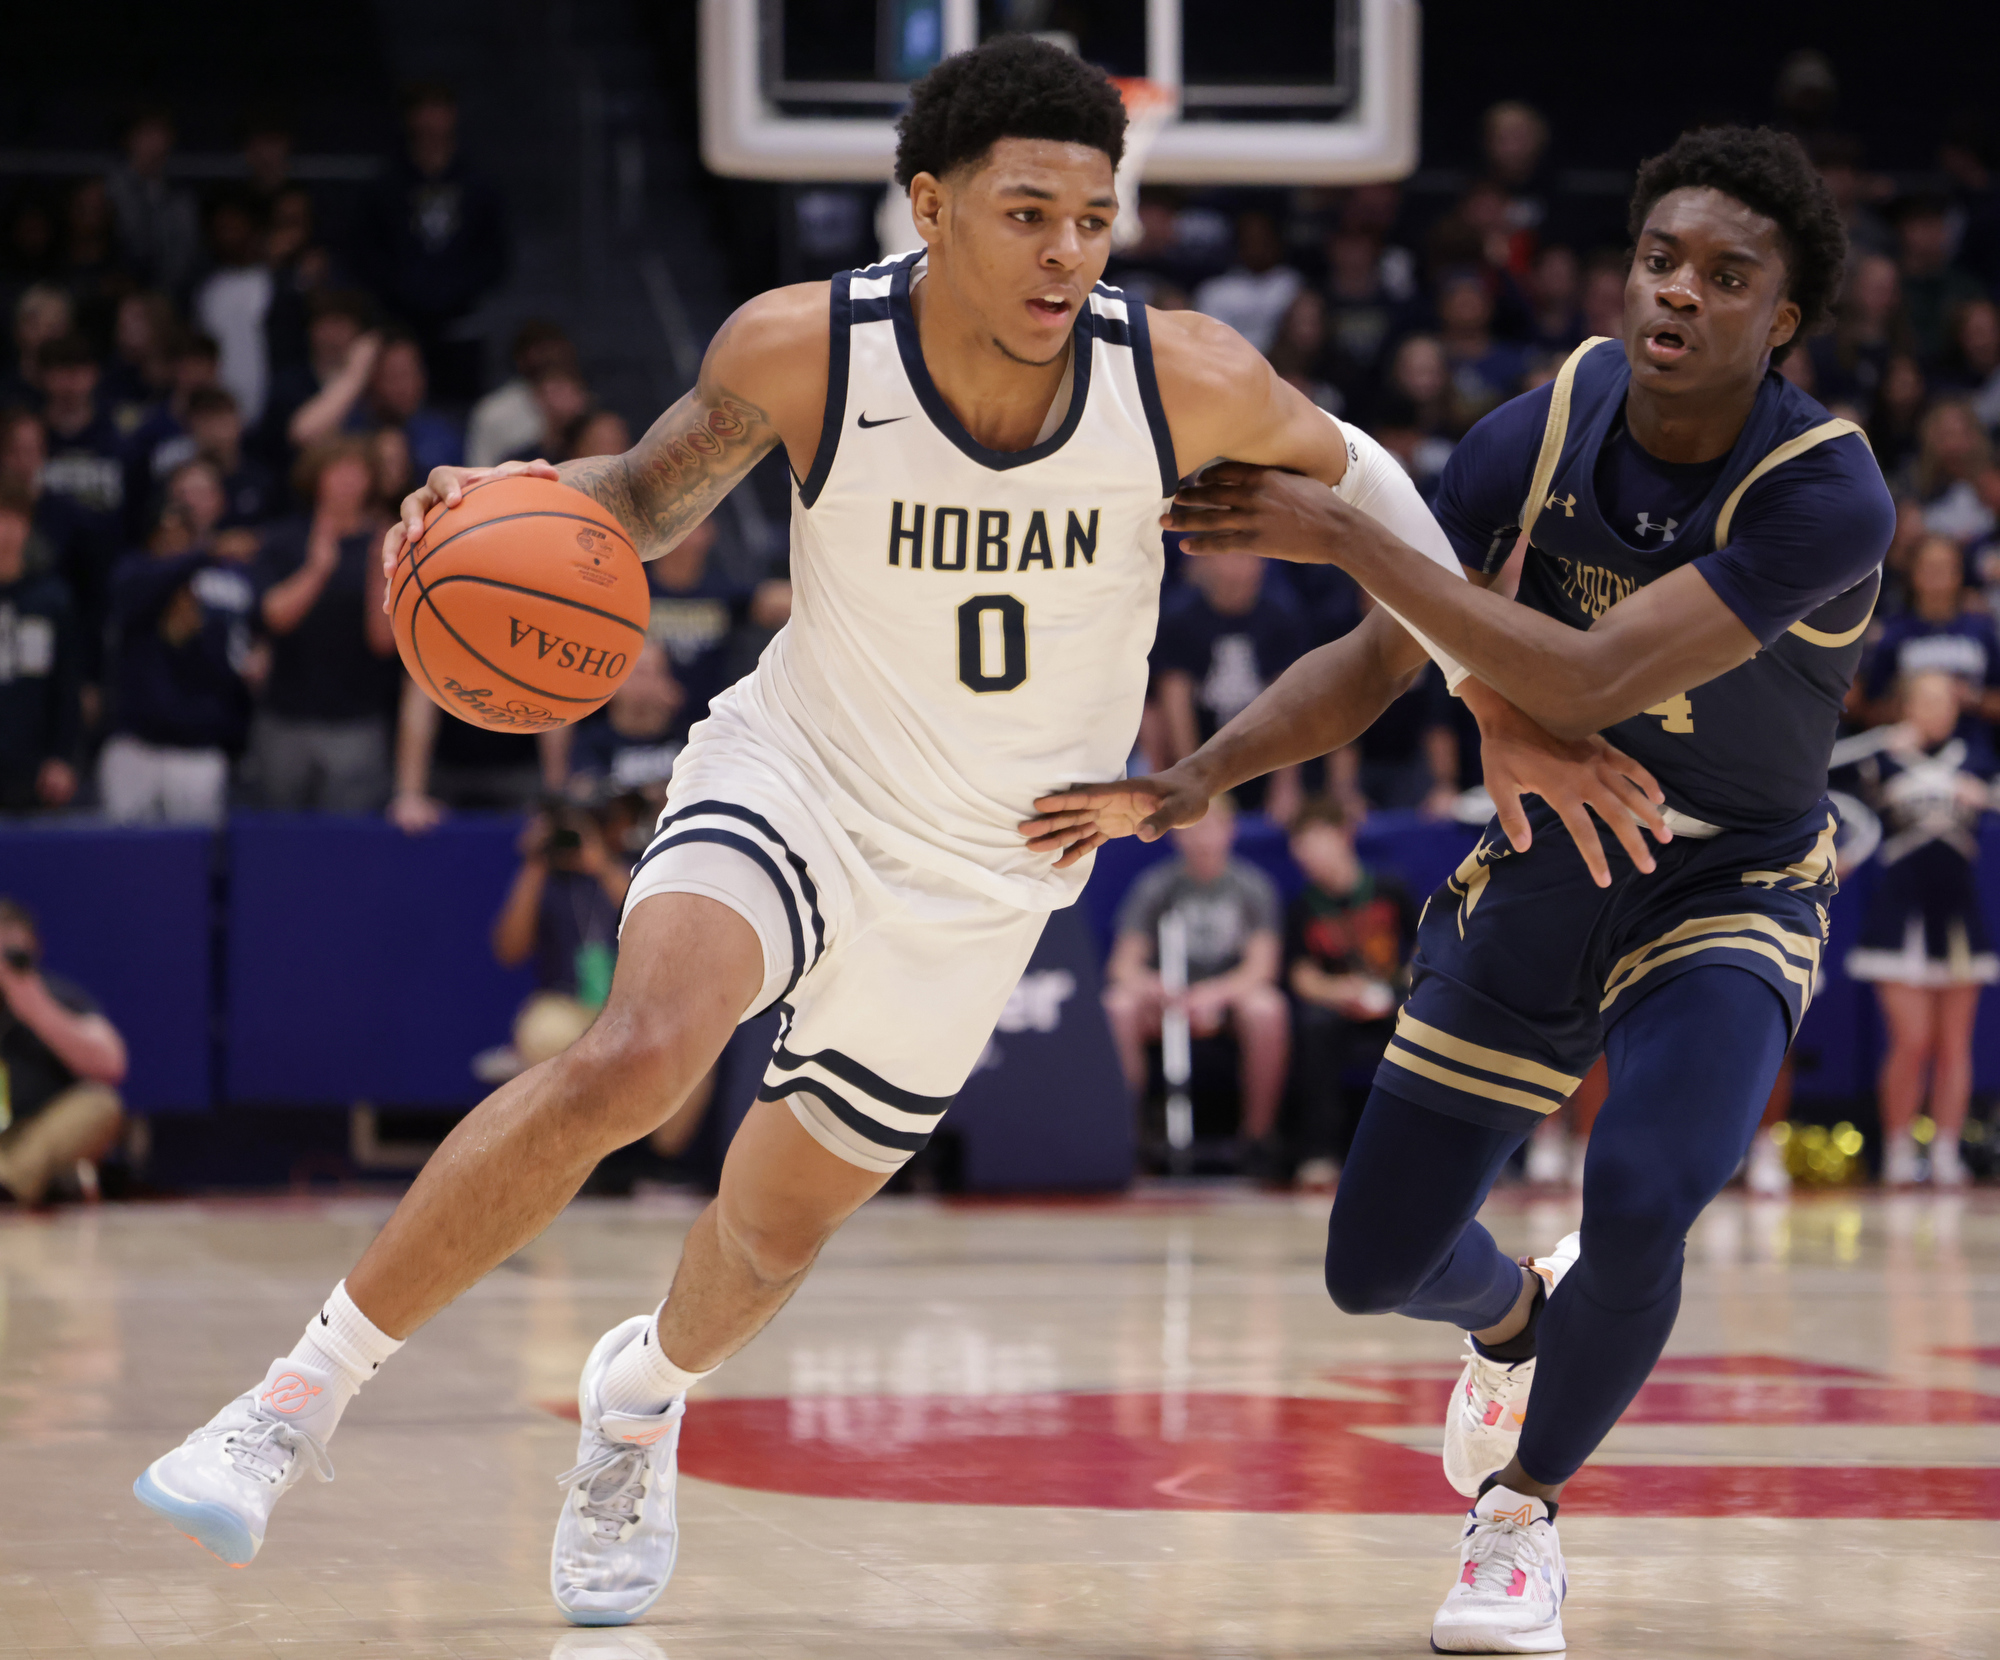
<point>889,978</point>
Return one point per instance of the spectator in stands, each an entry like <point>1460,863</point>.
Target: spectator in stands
<point>1838,158</point>
<point>267,156</point>
<point>323,397</point>
<point>86,451</point>
<point>1408,758</point>
<point>58,522</point>
<point>216,426</point>
<point>1895,421</point>
<point>1225,634</point>
<point>1954,451</point>
<point>397,397</point>
<point>234,300</point>
<point>1555,291</point>
<point>559,398</point>
<point>1515,139</point>
<point>300,268</point>
<point>431,242</point>
<point>1254,294</point>
<point>1301,352</point>
<point>86,464</point>
<point>157,229</point>
<point>1604,294</point>
<point>1349,933</point>
<point>143,338</point>
<point>320,737</point>
<point>28,246</point>
<point>631,743</point>
<point>395,473</point>
<point>1974,366</point>
<point>1933,287</point>
<point>63,1062</point>
<point>164,438</point>
<point>598,432</point>
<point>1231,914</point>
<point>1485,372</point>
<point>1365,303</point>
<point>43,313</point>
<point>182,615</point>
<point>507,420</point>
<point>92,269</point>
<point>704,618</point>
<point>1942,632</point>
<point>41,717</point>
<point>1849,362</point>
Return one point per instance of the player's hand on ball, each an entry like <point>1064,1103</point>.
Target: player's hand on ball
<point>445,487</point>
<point>1576,778</point>
<point>1077,821</point>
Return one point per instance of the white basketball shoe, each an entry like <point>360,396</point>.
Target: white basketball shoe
<point>617,1536</point>
<point>1482,1425</point>
<point>1511,1581</point>
<point>218,1486</point>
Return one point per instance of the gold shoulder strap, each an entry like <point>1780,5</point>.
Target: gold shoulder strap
<point>1811,438</point>
<point>1553,434</point>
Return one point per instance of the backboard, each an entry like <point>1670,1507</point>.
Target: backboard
<point>1269,91</point>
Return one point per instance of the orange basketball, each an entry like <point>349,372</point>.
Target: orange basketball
<point>522,608</point>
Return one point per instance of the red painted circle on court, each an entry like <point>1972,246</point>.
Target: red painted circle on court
<point>1280,1453</point>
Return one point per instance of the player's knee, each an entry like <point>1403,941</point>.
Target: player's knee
<point>1359,1285</point>
<point>775,1244</point>
<point>630,1074</point>
<point>1635,1227</point>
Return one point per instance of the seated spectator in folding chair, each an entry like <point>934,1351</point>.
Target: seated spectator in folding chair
<point>1349,933</point>
<point>1230,910</point>
<point>61,1063</point>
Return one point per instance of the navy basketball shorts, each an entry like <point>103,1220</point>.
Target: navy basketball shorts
<point>889,979</point>
<point>1523,963</point>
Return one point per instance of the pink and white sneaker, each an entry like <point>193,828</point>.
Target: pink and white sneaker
<point>1511,1581</point>
<point>1482,1425</point>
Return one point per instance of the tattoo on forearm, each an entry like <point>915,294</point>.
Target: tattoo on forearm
<point>689,459</point>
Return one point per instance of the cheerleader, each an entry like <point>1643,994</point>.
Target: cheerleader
<point>1924,943</point>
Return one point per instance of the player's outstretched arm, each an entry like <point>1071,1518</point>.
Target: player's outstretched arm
<point>1669,636</point>
<point>762,384</point>
<point>1326,700</point>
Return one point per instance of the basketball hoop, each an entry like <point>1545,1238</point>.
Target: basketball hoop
<point>1149,106</point>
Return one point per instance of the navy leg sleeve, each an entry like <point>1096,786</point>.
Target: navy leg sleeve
<point>1402,1238</point>
<point>1691,1070</point>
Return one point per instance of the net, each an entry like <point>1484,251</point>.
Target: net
<point>1149,106</point>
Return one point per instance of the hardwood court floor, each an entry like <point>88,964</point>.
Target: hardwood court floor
<point>1133,1429</point>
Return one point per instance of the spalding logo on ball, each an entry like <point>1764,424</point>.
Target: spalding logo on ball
<point>522,608</point>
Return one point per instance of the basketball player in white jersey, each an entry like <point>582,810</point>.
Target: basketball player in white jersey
<point>982,441</point>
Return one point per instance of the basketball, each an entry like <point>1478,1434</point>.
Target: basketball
<point>522,608</point>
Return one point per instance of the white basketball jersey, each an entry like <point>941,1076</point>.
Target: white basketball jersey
<point>969,626</point>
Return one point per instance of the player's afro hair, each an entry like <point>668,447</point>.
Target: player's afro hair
<point>1769,173</point>
<point>1012,87</point>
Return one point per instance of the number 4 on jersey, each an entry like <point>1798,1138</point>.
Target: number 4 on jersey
<point>993,643</point>
<point>1676,713</point>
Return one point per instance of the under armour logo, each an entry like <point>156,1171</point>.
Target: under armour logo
<point>290,1394</point>
<point>1566,503</point>
<point>1646,527</point>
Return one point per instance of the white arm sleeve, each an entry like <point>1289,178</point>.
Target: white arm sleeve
<point>1377,485</point>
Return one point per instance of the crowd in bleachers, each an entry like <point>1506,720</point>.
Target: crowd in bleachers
<point>207,415</point>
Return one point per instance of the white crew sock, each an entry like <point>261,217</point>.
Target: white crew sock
<point>641,1380</point>
<point>344,1343</point>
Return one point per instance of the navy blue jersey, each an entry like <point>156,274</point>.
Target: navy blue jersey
<point>1966,648</point>
<point>1789,529</point>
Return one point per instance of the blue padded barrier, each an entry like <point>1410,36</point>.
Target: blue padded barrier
<point>127,915</point>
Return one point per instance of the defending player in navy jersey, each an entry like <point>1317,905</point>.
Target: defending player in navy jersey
<point>1704,551</point>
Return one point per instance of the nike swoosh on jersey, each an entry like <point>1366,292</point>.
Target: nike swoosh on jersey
<point>863,421</point>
